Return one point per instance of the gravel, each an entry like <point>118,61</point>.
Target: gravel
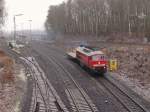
<point>133,63</point>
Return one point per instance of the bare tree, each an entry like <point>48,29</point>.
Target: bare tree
<point>2,13</point>
<point>96,17</point>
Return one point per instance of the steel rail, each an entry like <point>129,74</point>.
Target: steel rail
<point>126,107</point>
<point>47,84</point>
<point>123,92</point>
<point>58,65</point>
<point>53,60</point>
<point>36,81</point>
<point>25,64</point>
<point>119,99</point>
<point>133,100</point>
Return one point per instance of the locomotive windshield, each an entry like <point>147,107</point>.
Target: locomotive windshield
<point>98,57</point>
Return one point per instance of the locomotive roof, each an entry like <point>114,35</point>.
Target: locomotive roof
<point>88,51</point>
<point>90,47</point>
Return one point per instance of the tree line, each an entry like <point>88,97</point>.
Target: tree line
<point>2,13</point>
<point>96,17</point>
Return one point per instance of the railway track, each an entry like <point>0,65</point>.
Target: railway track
<point>79,100</point>
<point>44,96</point>
<point>128,102</point>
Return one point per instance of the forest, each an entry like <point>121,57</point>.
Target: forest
<point>2,13</point>
<point>100,17</point>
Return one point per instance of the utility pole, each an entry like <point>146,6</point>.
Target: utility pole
<point>14,19</point>
<point>14,28</point>
<point>30,21</point>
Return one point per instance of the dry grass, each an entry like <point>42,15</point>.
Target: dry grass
<point>133,61</point>
<point>6,73</point>
<point>12,87</point>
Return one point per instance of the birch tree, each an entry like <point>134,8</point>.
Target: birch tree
<point>98,17</point>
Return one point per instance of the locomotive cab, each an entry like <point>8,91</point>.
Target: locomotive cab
<point>99,62</point>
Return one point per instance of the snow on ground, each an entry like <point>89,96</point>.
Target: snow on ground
<point>12,84</point>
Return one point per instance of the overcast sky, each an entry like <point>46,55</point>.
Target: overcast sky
<point>36,10</point>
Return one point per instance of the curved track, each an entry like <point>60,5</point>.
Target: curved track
<point>84,103</point>
<point>130,104</point>
<point>45,97</point>
<point>80,100</point>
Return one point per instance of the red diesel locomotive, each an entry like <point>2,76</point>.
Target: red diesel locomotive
<point>91,58</point>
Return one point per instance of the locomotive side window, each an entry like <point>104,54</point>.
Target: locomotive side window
<point>102,57</point>
<point>98,57</point>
